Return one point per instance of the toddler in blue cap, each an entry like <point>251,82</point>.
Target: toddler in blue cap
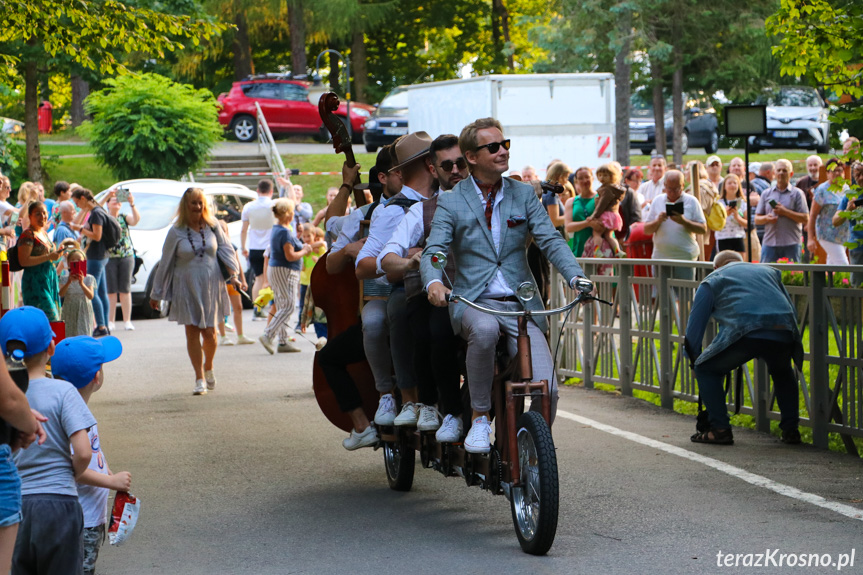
<point>79,361</point>
<point>50,533</point>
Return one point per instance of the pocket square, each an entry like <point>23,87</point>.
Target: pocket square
<point>515,221</point>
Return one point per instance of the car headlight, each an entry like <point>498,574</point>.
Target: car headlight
<point>370,124</point>
<point>361,112</point>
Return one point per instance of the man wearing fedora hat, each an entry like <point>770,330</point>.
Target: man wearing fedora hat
<point>435,344</point>
<point>412,160</point>
<point>486,221</point>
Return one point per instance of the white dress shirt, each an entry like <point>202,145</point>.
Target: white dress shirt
<point>497,287</point>
<point>407,235</point>
<point>383,224</point>
<point>651,190</point>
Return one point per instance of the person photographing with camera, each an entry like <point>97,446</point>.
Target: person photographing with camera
<point>783,212</point>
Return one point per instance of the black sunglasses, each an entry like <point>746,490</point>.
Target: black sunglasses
<point>493,147</point>
<point>447,165</point>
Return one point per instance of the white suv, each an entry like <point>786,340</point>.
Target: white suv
<point>797,117</point>
<point>157,202</point>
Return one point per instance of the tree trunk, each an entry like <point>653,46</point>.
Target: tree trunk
<point>359,67</point>
<point>677,113</point>
<point>658,106</point>
<point>243,65</point>
<point>335,68</point>
<point>31,121</point>
<point>500,33</point>
<point>623,89</point>
<point>297,27</point>
<point>80,91</point>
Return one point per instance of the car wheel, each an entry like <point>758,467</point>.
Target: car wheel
<point>713,145</point>
<point>323,135</point>
<point>646,151</point>
<point>684,142</point>
<point>825,149</point>
<point>371,149</point>
<point>245,128</point>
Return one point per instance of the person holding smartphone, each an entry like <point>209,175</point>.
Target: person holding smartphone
<point>733,235</point>
<point>783,213</point>
<point>121,258</point>
<point>855,255</point>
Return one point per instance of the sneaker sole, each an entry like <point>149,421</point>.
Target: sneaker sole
<point>428,427</point>
<point>361,445</point>
<point>398,423</point>
<point>383,421</point>
<point>470,449</point>
<point>203,392</point>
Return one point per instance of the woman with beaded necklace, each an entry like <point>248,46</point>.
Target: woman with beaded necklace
<point>189,277</point>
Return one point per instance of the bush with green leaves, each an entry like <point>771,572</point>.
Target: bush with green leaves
<point>147,126</point>
<point>13,161</point>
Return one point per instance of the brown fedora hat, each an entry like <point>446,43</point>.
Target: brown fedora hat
<point>411,147</point>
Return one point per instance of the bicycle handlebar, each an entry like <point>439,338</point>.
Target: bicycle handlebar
<point>582,297</point>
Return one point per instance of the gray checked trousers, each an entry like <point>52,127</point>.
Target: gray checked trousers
<point>482,332</point>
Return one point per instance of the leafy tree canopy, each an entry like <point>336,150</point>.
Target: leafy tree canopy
<point>148,126</point>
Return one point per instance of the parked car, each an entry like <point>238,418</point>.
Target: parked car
<point>700,130</point>
<point>388,122</point>
<point>797,117</point>
<point>286,107</point>
<point>157,202</point>
<point>11,126</point>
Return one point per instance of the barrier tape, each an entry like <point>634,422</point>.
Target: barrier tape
<point>271,173</point>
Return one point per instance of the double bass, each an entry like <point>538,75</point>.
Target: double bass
<point>339,295</point>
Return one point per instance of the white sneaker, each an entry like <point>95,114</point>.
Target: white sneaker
<point>367,438</point>
<point>225,340</point>
<point>267,343</point>
<point>110,326</point>
<point>319,345</point>
<point>386,413</point>
<point>129,327</point>
<point>243,340</point>
<point>288,347</point>
<point>211,380</point>
<point>408,416</point>
<point>450,430</point>
<point>478,439</point>
<point>199,388</point>
<point>429,418</point>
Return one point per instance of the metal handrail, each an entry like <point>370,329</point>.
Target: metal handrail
<point>637,344</point>
<point>268,145</point>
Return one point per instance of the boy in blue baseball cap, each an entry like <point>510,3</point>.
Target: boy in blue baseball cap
<point>52,524</point>
<point>79,361</point>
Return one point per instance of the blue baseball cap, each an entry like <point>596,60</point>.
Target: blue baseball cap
<point>30,326</point>
<point>78,359</point>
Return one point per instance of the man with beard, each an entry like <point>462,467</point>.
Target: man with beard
<point>435,345</point>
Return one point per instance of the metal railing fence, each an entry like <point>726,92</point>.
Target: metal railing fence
<point>638,342</point>
<point>268,144</point>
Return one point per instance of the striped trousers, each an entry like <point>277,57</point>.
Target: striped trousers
<point>284,282</point>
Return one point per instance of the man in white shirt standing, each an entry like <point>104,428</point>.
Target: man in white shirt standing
<point>258,222</point>
<point>675,237</point>
<point>652,187</point>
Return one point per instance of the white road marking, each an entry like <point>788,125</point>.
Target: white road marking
<point>732,470</point>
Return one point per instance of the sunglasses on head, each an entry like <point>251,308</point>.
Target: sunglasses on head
<point>447,165</point>
<point>493,147</point>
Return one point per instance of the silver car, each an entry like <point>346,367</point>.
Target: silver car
<point>797,117</point>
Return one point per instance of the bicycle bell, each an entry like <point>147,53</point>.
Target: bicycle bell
<point>526,291</point>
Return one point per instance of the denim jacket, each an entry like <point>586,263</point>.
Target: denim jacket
<point>749,298</point>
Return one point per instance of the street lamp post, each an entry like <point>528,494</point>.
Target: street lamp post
<point>348,77</point>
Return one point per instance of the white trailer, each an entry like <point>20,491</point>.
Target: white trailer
<point>547,116</point>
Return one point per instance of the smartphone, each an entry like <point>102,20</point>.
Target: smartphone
<point>78,268</point>
<point>732,204</point>
<point>122,194</point>
<point>773,204</point>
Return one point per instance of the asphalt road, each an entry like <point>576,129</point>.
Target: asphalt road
<point>252,479</point>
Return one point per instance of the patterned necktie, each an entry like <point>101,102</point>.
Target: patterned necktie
<point>490,194</point>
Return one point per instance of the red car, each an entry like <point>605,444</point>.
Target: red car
<point>286,107</point>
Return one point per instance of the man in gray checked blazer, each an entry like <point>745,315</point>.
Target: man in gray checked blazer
<point>488,244</point>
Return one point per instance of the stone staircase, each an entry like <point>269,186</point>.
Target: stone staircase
<point>255,163</point>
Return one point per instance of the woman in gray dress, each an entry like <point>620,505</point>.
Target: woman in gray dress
<point>189,277</point>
